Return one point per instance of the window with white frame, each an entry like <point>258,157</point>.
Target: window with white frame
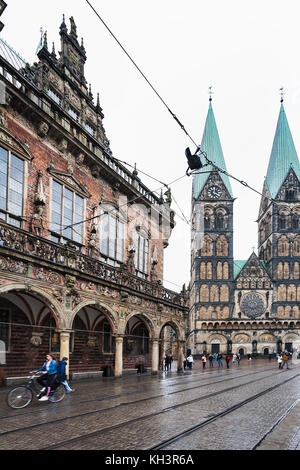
<point>141,255</point>
<point>112,238</point>
<point>67,208</point>
<point>11,187</point>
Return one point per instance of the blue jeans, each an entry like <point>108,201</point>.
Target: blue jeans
<point>66,385</point>
<point>220,362</point>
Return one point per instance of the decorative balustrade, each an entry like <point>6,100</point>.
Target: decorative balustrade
<point>20,241</point>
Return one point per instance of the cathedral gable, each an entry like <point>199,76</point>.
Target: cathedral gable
<point>253,275</point>
<point>290,189</point>
<point>214,189</point>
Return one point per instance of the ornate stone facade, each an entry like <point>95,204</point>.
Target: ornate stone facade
<point>252,306</point>
<point>81,265</point>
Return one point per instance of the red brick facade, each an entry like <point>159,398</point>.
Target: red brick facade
<point>85,280</point>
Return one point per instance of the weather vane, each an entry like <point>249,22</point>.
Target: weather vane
<point>281,94</point>
<point>210,92</point>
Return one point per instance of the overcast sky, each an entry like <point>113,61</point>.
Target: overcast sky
<point>245,50</point>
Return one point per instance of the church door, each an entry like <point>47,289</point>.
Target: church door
<point>215,348</point>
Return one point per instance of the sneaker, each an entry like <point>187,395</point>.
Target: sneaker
<point>44,398</point>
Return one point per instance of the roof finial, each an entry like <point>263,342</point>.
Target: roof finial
<point>210,92</point>
<point>281,94</point>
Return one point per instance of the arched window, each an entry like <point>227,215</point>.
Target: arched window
<point>207,247</point>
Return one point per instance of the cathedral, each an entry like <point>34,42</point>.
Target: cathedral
<point>246,306</point>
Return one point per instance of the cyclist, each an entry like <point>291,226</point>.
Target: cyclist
<point>48,377</point>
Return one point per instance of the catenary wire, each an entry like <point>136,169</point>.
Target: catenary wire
<point>166,106</point>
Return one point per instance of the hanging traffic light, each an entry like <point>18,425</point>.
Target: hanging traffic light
<point>194,161</point>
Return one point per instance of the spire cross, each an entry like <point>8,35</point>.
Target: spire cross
<point>281,94</point>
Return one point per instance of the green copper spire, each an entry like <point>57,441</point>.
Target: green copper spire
<point>212,146</point>
<point>283,156</point>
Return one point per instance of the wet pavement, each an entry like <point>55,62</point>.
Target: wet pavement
<point>253,406</point>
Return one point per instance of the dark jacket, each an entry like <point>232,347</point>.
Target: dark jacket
<point>61,370</point>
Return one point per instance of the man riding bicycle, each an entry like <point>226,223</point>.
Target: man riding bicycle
<point>47,379</point>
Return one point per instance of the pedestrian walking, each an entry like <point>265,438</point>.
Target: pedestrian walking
<point>185,362</point>
<point>238,358</point>
<point>203,359</point>
<point>211,360</point>
<point>285,360</point>
<point>220,363</point>
<point>47,379</point>
<point>227,360</point>
<point>62,376</point>
<point>167,362</point>
<point>190,361</point>
<point>279,361</point>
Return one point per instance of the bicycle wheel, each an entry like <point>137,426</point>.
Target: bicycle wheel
<point>19,397</point>
<point>58,395</point>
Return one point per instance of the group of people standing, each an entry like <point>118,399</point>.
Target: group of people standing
<point>168,362</point>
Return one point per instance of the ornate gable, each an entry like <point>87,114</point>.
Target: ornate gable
<point>68,179</point>
<point>214,189</point>
<point>290,189</point>
<point>253,275</point>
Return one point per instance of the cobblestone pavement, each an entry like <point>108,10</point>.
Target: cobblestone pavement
<point>251,406</point>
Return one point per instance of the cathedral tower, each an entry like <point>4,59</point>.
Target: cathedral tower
<point>279,223</point>
<point>212,240</point>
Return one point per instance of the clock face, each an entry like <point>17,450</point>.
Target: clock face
<point>214,192</point>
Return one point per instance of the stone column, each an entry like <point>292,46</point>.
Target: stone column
<point>180,356</point>
<point>155,356</point>
<point>119,356</point>
<point>65,347</point>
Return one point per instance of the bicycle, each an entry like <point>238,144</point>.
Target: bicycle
<point>21,396</point>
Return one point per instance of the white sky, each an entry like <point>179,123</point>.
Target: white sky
<point>245,50</point>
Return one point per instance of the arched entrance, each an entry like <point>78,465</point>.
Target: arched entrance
<point>137,346</point>
<point>169,347</point>
<point>29,326</point>
<point>92,340</point>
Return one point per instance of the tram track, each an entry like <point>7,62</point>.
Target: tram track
<point>135,392</point>
<point>177,437</point>
<point>162,445</point>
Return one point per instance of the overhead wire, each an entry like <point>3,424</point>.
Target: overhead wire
<point>221,170</point>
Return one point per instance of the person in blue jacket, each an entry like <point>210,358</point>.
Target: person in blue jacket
<point>61,374</point>
<point>48,376</point>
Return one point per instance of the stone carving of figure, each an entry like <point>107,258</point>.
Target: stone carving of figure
<point>38,223</point>
<point>93,251</point>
